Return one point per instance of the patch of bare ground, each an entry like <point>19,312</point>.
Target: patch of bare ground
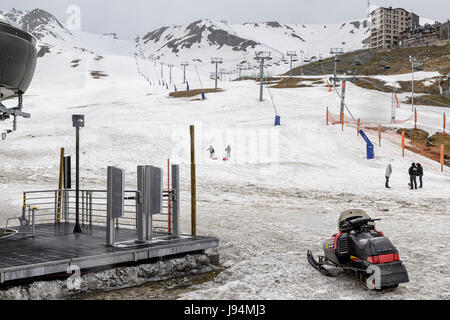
<point>192,93</point>
<point>98,74</point>
<point>421,143</point>
<point>290,83</point>
<point>435,100</point>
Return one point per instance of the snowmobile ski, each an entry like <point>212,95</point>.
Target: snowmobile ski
<point>318,266</point>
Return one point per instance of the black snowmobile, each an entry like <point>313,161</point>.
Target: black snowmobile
<point>360,248</point>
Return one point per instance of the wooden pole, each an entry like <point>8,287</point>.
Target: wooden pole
<point>403,143</point>
<point>342,120</point>
<point>327,116</point>
<point>442,157</point>
<point>60,185</point>
<point>379,135</point>
<point>396,99</point>
<point>359,126</point>
<point>415,118</point>
<point>193,185</point>
<point>444,125</point>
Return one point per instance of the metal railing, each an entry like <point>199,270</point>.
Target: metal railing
<point>59,206</point>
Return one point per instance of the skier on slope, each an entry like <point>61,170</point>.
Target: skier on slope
<point>211,150</point>
<point>228,151</point>
<point>388,174</point>
<point>413,173</point>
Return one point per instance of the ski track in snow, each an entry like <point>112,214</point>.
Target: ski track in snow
<point>266,216</point>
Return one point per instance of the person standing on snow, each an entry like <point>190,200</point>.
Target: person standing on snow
<point>388,174</point>
<point>420,168</point>
<point>413,173</point>
<point>228,150</point>
<point>211,150</point>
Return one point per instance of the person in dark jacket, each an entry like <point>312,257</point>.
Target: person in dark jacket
<point>413,173</point>
<point>420,168</point>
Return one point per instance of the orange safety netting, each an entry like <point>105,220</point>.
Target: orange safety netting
<point>336,119</point>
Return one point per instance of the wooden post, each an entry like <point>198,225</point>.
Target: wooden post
<point>379,135</point>
<point>444,125</point>
<point>415,118</point>
<point>442,157</point>
<point>396,99</point>
<point>403,143</point>
<point>60,186</point>
<point>327,116</point>
<point>342,121</point>
<point>359,126</point>
<point>193,185</point>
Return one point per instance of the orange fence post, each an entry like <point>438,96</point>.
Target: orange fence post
<point>329,87</point>
<point>442,157</point>
<point>415,118</point>
<point>359,125</point>
<point>168,197</point>
<point>379,135</point>
<point>403,142</point>
<point>396,99</point>
<point>444,126</point>
<point>342,120</point>
<point>327,116</point>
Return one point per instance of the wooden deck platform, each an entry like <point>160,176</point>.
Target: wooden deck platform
<point>55,248</point>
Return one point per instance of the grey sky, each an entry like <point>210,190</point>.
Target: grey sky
<point>131,17</point>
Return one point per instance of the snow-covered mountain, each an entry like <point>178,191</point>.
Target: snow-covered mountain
<point>54,37</point>
<point>203,39</point>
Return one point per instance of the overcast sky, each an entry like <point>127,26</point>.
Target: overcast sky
<point>131,17</point>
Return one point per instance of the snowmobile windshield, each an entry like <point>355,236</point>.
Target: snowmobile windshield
<point>351,214</point>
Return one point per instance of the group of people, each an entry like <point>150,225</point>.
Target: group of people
<point>212,152</point>
<point>416,170</point>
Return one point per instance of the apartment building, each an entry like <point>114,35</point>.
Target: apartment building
<point>388,23</point>
<point>445,30</point>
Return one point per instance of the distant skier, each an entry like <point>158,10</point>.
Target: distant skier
<point>212,152</point>
<point>228,151</point>
<point>420,168</point>
<point>388,174</point>
<point>413,173</point>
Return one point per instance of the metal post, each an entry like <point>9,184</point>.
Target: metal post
<point>216,75</point>
<point>57,207</point>
<point>60,185</point>
<point>176,196</point>
<point>412,84</point>
<point>193,185</point>
<point>184,64</point>
<point>343,97</point>
<point>77,228</point>
<point>261,80</point>
<point>90,208</point>
<point>82,207</point>
<point>170,72</point>
<point>290,72</point>
<point>110,232</point>
<point>140,218</point>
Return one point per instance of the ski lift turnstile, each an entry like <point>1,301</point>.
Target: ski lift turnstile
<point>149,201</point>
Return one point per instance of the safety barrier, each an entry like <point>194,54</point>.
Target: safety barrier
<point>93,208</point>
